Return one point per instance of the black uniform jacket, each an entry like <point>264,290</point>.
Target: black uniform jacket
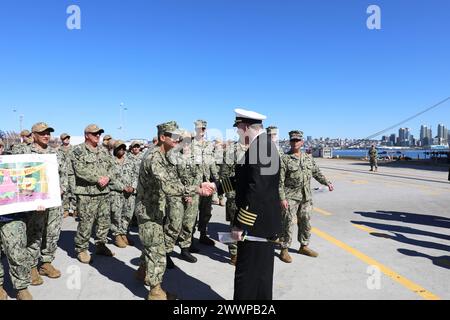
<point>257,189</point>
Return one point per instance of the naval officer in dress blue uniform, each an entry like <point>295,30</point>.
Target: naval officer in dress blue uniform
<point>259,213</point>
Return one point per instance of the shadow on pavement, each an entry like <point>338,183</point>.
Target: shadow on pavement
<point>188,288</point>
<point>214,252</point>
<point>442,261</point>
<point>112,268</point>
<point>406,217</point>
<point>401,238</point>
<point>400,229</point>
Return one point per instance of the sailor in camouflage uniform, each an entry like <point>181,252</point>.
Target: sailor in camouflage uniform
<point>26,139</point>
<point>44,226</point>
<point>158,180</point>
<point>373,158</point>
<point>122,199</point>
<point>69,199</point>
<point>297,169</point>
<point>93,168</point>
<point>182,211</point>
<point>203,152</point>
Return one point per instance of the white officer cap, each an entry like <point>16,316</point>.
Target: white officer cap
<point>247,116</point>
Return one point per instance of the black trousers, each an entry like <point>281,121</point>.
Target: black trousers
<point>205,214</point>
<point>254,271</point>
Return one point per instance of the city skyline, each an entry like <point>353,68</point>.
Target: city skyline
<point>311,66</point>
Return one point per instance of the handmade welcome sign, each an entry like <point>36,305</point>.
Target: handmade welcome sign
<point>27,182</point>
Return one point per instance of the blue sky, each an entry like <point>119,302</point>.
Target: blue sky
<point>309,65</point>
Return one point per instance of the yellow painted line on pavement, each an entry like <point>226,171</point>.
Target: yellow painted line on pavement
<point>321,211</point>
<point>360,181</point>
<point>364,228</point>
<point>372,262</point>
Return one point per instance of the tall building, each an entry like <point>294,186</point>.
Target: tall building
<point>404,138</point>
<point>426,136</point>
<point>442,134</point>
<point>392,140</point>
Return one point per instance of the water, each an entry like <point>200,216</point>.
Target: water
<point>362,153</point>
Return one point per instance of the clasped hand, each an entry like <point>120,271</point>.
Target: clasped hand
<point>206,189</point>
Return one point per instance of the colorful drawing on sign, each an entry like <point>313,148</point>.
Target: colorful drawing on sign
<point>23,182</point>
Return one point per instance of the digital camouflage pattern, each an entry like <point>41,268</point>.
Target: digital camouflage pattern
<point>181,216</point>
<point>13,241</point>
<point>69,198</point>
<point>89,165</point>
<point>158,180</point>
<point>295,187</point>
<point>125,174</point>
<point>45,225</point>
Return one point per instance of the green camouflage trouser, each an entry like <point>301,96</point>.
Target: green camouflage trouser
<point>231,210</point>
<point>69,198</point>
<point>35,231</point>
<point>303,212</point>
<point>122,210</point>
<point>190,217</point>
<point>13,240</point>
<point>52,231</point>
<point>173,221</point>
<point>154,250</point>
<point>92,209</point>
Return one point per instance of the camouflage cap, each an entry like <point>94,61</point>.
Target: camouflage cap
<point>93,128</point>
<point>25,133</point>
<point>135,143</point>
<point>41,127</point>
<point>107,137</point>
<point>296,135</point>
<point>201,124</point>
<point>168,127</point>
<point>119,143</point>
<point>272,130</point>
<point>64,136</point>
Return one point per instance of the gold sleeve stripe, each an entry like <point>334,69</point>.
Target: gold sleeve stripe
<point>248,213</point>
<point>246,219</point>
<point>228,184</point>
<point>225,186</point>
<point>244,222</point>
<point>244,216</point>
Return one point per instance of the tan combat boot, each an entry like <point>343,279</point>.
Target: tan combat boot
<point>36,279</point>
<point>120,242</point>
<point>3,294</point>
<point>84,257</point>
<point>285,257</point>
<point>48,270</point>
<point>233,260</point>
<point>308,252</point>
<point>24,295</point>
<point>158,294</point>
<point>102,250</point>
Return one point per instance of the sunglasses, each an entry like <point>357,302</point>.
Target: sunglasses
<point>44,133</point>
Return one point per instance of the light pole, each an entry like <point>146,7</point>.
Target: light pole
<point>20,118</point>
<point>122,121</point>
